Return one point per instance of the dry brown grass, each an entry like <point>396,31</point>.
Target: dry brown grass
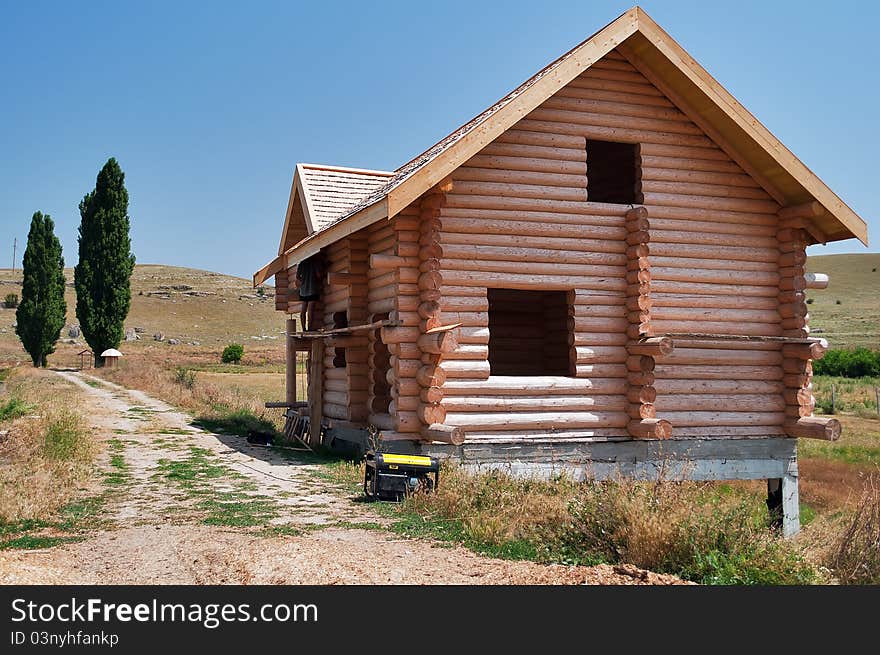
<point>46,456</point>
<point>227,311</point>
<point>210,397</point>
<point>855,554</point>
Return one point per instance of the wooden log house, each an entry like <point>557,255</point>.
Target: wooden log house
<point>602,271</point>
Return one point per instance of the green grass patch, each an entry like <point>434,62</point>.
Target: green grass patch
<point>238,422</point>
<point>93,383</point>
<point>66,436</point>
<point>120,473</point>
<point>286,530</point>
<point>860,455</point>
<point>198,467</point>
<point>235,510</point>
<point>30,542</point>
<point>4,373</point>
<point>14,408</point>
<point>74,519</point>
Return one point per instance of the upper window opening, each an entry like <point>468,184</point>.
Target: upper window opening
<point>613,172</point>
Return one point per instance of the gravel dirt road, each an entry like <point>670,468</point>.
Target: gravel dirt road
<point>186,506</point>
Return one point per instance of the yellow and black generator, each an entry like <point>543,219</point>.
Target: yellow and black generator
<point>393,477</point>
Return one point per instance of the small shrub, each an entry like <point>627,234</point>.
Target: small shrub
<point>856,363</point>
<point>232,354</point>
<point>13,408</point>
<point>810,301</point>
<point>10,301</point>
<point>66,437</point>
<point>823,406</point>
<point>684,529</point>
<point>185,377</point>
<point>855,557</point>
<point>261,292</point>
<point>837,302</point>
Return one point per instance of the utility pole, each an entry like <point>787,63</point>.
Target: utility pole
<point>14,245</point>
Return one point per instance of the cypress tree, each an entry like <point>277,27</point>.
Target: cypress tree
<point>102,276</point>
<point>42,309</point>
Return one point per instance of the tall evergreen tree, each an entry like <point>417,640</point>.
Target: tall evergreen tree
<point>102,276</point>
<point>42,310</point>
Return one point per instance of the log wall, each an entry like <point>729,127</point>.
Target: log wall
<point>518,217</point>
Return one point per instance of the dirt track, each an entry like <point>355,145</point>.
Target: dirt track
<point>156,533</point>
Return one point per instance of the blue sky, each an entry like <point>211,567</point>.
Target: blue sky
<point>208,106</point>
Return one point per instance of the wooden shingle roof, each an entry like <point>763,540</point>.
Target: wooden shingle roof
<point>331,192</point>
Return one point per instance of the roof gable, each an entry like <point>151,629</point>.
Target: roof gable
<point>654,53</point>
<point>321,195</point>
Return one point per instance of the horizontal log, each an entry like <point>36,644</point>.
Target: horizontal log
<point>679,170</point>
<point>641,410</point>
<point>654,347</point>
<point>666,387</point>
<point>703,432</point>
<point>713,327</point>
<point>640,378</point>
<point>391,335</point>
<point>465,368</point>
<point>504,252</point>
<point>815,427</point>
<point>597,339</point>
<point>715,276</point>
<point>529,281</point>
<point>747,205</point>
<point>443,433</point>
<point>703,251</point>
<point>537,386</point>
<point>796,365</point>
<point>392,261</point>
<point>431,413</point>
<point>815,350</point>
<point>538,420</point>
<point>513,224</point>
<point>600,355</point>
<point>690,301</point>
<point>723,357</point>
<point>650,428</point>
<point>601,371</point>
<point>515,135</point>
<point>527,151</point>
<point>506,176</point>
<point>563,266</point>
<point>550,124</point>
<point>501,403</point>
<point>332,410</point>
<point>697,314</point>
<point>693,372</point>
<point>811,209</point>
<point>599,106</point>
<point>407,422</point>
<point>706,402</point>
<point>470,351</point>
<point>816,281</point>
<point>641,394</point>
<point>394,435</point>
<point>723,418</point>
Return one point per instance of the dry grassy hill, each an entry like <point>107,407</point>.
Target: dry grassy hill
<point>204,311</point>
<point>200,309</point>
<point>847,313</point>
